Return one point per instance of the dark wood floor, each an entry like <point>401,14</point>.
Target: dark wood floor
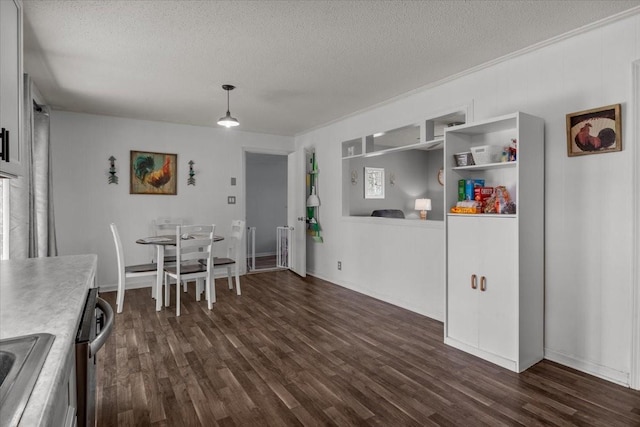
<point>294,351</point>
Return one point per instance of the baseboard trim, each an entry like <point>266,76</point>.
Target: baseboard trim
<point>261,254</point>
<point>383,298</point>
<point>493,358</point>
<point>114,286</point>
<point>587,367</point>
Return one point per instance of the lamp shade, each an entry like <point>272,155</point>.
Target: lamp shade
<point>423,205</point>
<point>228,121</point>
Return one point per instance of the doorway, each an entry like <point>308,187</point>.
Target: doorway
<point>266,204</point>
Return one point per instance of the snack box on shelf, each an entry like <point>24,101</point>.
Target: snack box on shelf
<point>461,210</point>
<point>467,207</point>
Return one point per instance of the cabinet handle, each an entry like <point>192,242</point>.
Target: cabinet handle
<point>2,156</point>
<point>5,152</point>
<point>474,281</point>
<point>483,283</point>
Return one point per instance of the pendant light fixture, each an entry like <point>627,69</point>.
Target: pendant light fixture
<point>228,121</point>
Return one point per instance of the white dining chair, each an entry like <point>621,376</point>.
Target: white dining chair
<point>194,253</point>
<point>130,271</point>
<point>165,226</point>
<point>233,254</point>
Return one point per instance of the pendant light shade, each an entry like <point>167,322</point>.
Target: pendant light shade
<point>228,121</point>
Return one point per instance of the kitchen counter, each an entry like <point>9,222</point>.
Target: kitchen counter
<point>45,295</point>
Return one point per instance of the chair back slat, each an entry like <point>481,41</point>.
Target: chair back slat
<point>119,252</point>
<point>237,229</point>
<point>162,227</point>
<point>194,243</point>
<point>235,239</point>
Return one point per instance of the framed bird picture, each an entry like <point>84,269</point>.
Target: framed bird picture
<point>594,131</point>
<point>153,173</point>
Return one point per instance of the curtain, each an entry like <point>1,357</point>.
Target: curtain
<point>32,220</point>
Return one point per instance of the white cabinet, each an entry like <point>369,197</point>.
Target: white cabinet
<point>482,284</point>
<point>494,263</point>
<point>11,157</point>
<point>65,401</point>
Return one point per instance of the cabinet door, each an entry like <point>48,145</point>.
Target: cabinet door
<point>487,248</point>
<point>498,302</point>
<point>11,82</point>
<point>462,262</point>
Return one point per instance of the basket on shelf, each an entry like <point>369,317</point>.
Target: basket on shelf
<point>484,154</point>
<point>464,159</point>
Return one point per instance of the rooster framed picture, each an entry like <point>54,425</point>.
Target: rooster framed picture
<point>153,173</point>
<point>594,131</point>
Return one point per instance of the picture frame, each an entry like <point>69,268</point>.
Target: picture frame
<point>373,183</point>
<point>594,131</point>
<point>153,173</point>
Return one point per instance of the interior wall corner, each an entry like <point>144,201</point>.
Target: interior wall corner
<point>635,314</point>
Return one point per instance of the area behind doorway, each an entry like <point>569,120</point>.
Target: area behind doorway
<point>266,179</point>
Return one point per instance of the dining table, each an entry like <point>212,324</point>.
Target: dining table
<point>161,242</point>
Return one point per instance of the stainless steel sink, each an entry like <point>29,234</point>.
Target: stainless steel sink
<point>7,360</point>
<point>21,360</point>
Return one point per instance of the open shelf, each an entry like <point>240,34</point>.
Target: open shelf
<point>484,215</point>
<point>488,166</point>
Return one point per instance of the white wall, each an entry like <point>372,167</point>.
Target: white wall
<point>85,204</point>
<point>588,201</point>
<point>266,198</point>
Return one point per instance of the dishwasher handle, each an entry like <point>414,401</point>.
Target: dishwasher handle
<point>101,338</point>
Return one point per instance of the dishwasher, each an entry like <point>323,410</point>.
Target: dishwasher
<point>96,323</point>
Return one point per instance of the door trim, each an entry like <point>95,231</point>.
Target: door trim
<point>635,284</point>
<point>243,188</point>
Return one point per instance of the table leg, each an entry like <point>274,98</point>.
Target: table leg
<point>160,277</point>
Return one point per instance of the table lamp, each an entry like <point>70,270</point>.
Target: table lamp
<point>423,205</point>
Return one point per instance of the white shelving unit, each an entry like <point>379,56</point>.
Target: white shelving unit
<point>495,262</point>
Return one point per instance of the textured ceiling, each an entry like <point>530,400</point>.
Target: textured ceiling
<point>296,64</point>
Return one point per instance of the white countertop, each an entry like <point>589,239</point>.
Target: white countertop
<point>45,295</point>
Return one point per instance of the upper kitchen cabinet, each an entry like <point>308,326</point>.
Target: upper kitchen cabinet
<point>11,155</point>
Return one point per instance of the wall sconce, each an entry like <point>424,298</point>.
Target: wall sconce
<point>423,205</point>
<point>191,180</point>
<point>354,177</point>
<point>113,178</point>
<point>392,179</point>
